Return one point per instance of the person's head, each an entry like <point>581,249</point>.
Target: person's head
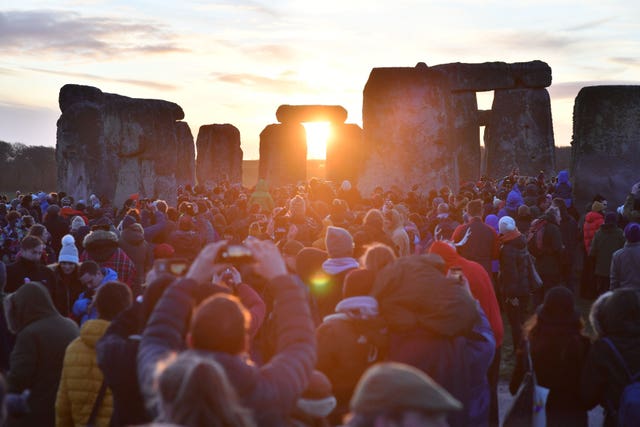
<point>90,275</point>
<point>194,391</point>
<point>506,224</point>
<point>358,282</point>
<point>297,206</point>
<point>68,257</point>
<point>632,232</point>
<point>376,257</point>
<point>111,299</point>
<point>290,251</point>
<point>40,231</point>
<point>339,242</point>
<point>620,314</point>
<point>474,208</point>
<point>31,248</point>
<point>395,394</point>
<point>220,324</point>
<point>374,219</point>
<point>554,213</point>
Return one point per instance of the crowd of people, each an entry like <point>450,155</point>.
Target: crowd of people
<point>315,305</point>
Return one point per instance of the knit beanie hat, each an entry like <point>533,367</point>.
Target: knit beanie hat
<point>76,223</point>
<point>506,224</point>
<point>69,251</point>
<point>632,232</point>
<point>597,206</point>
<point>338,242</point>
<point>391,385</point>
<point>358,282</point>
<point>163,250</point>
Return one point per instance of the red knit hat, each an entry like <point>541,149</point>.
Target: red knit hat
<point>163,250</point>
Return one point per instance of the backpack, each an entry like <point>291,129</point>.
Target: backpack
<point>628,412</point>
<point>534,236</point>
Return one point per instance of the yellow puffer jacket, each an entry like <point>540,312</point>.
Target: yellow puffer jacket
<point>81,380</point>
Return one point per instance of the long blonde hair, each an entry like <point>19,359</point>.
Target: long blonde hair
<point>194,392</point>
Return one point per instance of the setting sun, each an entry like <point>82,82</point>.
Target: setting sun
<point>317,136</point>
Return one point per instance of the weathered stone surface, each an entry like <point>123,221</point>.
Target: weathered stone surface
<point>311,113</point>
<point>605,155</point>
<point>185,173</point>
<point>345,153</point>
<point>407,116</point>
<point>114,145</point>
<point>465,136</point>
<point>496,75</point>
<point>219,154</point>
<point>283,154</point>
<point>520,133</point>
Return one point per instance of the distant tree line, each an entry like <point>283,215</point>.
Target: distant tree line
<point>27,168</point>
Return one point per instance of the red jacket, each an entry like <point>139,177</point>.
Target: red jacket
<point>479,283</point>
<point>592,223</point>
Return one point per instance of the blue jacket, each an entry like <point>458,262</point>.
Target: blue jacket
<point>83,308</point>
<point>270,390</point>
<point>459,364</point>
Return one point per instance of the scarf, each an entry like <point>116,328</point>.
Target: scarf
<point>509,235</point>
<point>335,266</point>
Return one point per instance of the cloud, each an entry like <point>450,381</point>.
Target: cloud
<point>134,82</point>
<point>63,33</point>
<point>569,90</point>
<point>625,60</point>
<point>591,24</point>
<point>284,84</point>
<point>272,52</point>
<point>237,5</point>
<point>531,40</point>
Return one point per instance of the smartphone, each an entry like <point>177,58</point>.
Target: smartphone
<point>175,266</point>
<point>235,254</point>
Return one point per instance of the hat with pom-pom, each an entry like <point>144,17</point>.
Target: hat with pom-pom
<point>69,252</point>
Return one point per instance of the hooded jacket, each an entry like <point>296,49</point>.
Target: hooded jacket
<point>36,361</point>
<point>133,243</point>
<point>81,380</point>
<point>592,222</point>
<point>479,283</point>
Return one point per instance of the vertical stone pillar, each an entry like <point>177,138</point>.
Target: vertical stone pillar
<point>283,154</point>
<point>219,154</point>
<point>345,153</point>
<point>605,151</point>
<point>520,133</point>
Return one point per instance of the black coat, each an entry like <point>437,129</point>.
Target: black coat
<point>34,271</point>
<point>514,265</point>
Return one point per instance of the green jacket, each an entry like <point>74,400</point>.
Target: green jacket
<point>42,336</point>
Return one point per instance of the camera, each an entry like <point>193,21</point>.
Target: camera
<point>175,266</point>
<point>235,254</point>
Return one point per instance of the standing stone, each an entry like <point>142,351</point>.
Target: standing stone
<point>283,154</point>
<point>113,146</point>
<point>219,154</point>
<point>407,120</point>
<point>185,173</point>
<point>345,153</point>
<point>466,135</point>
<point>605,150</point>
<point>520,133</point>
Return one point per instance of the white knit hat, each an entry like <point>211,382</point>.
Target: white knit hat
<point>506,224</point>
<point>69,252</point>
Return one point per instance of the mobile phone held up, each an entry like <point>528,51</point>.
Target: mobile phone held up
<point>175,266</point>
<point>235,254</point>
